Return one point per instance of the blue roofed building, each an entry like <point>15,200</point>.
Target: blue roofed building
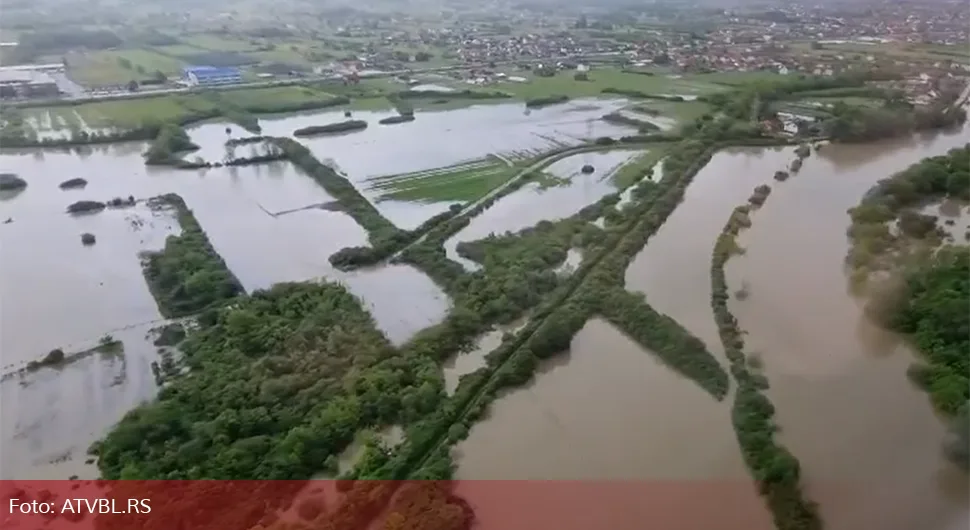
<point>211,75</point>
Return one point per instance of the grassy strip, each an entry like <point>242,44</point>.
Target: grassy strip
<point>187,276</point>
<point>776,470</point>
<point>385,238</point>
<point>554,322</point>
<point>466,182</point>
<point>535,103</point>
<point>451,94</point>
<point>331,128</point>
<point>638,94</point>
<point>675,346</point>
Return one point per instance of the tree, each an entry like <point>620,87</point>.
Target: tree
<point>132,86</point>
<point>422,57</point>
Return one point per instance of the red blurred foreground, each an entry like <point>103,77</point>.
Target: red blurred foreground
<point>381,505</point>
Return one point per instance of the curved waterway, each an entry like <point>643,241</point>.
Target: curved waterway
<point>609,411</point>
<point>868,441</point>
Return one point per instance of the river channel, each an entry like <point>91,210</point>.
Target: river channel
<point>868,441</point>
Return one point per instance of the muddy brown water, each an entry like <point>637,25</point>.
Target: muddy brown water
<point>868,441</point>
<point>264,220</point>
<point>610,414</point>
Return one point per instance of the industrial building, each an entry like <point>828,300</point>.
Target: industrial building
<point>211,75</point>
<point>23,83</point>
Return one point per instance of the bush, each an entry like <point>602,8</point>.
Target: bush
<point>343,126</point>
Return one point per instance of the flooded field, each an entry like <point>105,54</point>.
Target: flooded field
<point>464,363</point>
<point>568,191</point>
<point>269,222</point>
<point>674,269</point>
<point>868,441</point>
<point>50,417</point>
<point>608,410</point>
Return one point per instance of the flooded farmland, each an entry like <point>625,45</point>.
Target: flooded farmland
<point>269,222</point>
<point>868,441</point>
<point>569,192</point>
<point>608,410</point>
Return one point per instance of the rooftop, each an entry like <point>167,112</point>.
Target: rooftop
<point>24,76</point>
<point>204,70</point>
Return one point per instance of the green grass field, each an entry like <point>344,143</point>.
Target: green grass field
<point>219,44</point>
<point>683,112</point>
<point>894,50</point>
<point>463,182</point>
<point>105,67</point>
<point>564,84</point>
<point>259,97</point>
<point>738,78</point>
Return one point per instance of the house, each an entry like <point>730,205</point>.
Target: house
<point>211,75</point>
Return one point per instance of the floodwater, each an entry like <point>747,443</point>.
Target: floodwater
<point>463,363</point>
<point>57,293</point>
<point>435,139</point>
<point>609,410</point>
<point>537,201</point>
<point>444,138</point>
<point>50,417</point>
<point>868,441</point>
<point>264,220</point>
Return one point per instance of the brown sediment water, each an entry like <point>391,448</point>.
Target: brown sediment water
<point>608,410</point>
<point>868,441</point>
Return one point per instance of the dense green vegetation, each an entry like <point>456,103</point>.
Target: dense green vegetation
<point>402,118</point>
<point>330,128</point>
<point>354,257</point>
<point>10,182</point>
<point>874,246</point>
<point>279,384</point>
<point>662,335</point>
<point>169,143</point>
<point>534,103</point>
<point>933,308</point>
<point>451,94</point>
<point>639,94</point>
<point>187,276</point>
<point>775,469</point>
<point>861,124</point>
<point>621,119</point>
<point>929,287</point>
<point>462,182</point>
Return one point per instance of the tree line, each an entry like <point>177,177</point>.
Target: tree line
<point>187,276</point>
<point>776,471</point>
<point>929,286</point>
